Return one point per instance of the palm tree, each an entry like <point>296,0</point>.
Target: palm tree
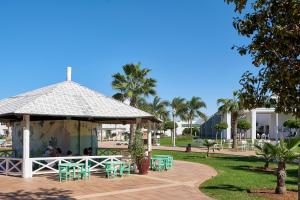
<point>283,152</point>
<point>158,108</point>
<point>133,85</point>
<point>233,106</point>
<point>193,110</point>
<point>208,144</point>
<point>265,152</point>
<point>178,109</point>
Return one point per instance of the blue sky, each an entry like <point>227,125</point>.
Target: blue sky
<point>187,44</point>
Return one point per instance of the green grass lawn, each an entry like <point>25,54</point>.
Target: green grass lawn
<point>181,141</point>
<point>234,176</point>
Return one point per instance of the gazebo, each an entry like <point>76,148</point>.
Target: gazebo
<point>65,114</point>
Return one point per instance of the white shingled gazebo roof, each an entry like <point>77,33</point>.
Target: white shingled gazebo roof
<point>68,100</point>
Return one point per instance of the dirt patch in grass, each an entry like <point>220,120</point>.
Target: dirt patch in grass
<point>270,194</point>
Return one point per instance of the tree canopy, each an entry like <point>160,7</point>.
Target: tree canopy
<point>292,123</point>
<point>221,126</point>
<point>169,125</point>
<point>273,30</point>
<point>134,84</point>
<point>243,125</point>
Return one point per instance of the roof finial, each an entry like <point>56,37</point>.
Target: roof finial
<point>69,73</point>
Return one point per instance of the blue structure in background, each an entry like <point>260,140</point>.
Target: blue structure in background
<point>207,128</point>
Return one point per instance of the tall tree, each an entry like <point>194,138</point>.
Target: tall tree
<point>178,107</point>
<point>133,85</point>
<point>273,30</point>
<point>194,107</point>
<point>158,108</point>
<point>233,106</point>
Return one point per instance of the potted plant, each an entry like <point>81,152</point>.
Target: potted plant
<point>137,152</point>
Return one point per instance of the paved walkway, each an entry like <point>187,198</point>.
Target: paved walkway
<point>203,150</point>
<point>181,182</point>
<point>194,149</point>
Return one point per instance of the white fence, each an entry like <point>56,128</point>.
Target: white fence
<point>11,166</point>
<point>49,165</point>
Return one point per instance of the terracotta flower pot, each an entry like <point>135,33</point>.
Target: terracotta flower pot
<point>144,165</point>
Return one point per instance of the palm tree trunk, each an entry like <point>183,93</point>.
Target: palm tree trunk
<point>281,174</point>
<point>298,179</point>
<point>155,133</point>
<point>267,165</point>
<point>132,134</point>
<point>174,131</point>
<point>191,124</point>
<point>207,153</point>
<point>234,131</point>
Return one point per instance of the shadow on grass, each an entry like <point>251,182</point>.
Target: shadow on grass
<point>51,194</point>
<point>227,187</point>
<point>239,158</point>
<point>253,169</point>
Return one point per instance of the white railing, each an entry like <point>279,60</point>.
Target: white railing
<point>11,166</point>
<point>49,165</point>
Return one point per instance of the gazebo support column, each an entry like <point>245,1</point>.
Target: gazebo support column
<point>253,124</point>
<point>27,165</point>
<point>149,138</point>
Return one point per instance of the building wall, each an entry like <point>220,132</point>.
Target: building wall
<point>65,134</point>
<point>264,117</point>
<point>182,125</point>
<point>3,129</point>
<point>207,128</point>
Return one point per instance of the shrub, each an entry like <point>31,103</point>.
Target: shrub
<point>137,150</point>
<point>292,123</point>
<point>221,126</point>
<point>169,125</point>
<point>243,125</point>
<point>208,144</point>
<point>187,131</point>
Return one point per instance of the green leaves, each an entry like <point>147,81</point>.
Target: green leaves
<point>137,150</point>
<point>193,108</point>
<point>233,105</point>
<point>221,126</point>
<point>284,151</point>
<point>273,28</point>
<point>209,143</point>
<point>133,84</point>
<point>243,125</point>
<point>292,123</point>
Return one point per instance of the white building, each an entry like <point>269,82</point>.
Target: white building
<point>115,132</point>
<point>3,129</point>
<point>183,124</point>
<point>264,123</point>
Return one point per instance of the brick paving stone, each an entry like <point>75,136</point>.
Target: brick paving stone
<point>181,182</point>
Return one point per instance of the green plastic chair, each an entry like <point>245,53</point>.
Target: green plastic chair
<point>125,168</point>
<point>158,165</point>
<point>169,164</point>
<point>64,173</point>
<point>110,170</point>
<point>85,173</point>
<point>169,161</point>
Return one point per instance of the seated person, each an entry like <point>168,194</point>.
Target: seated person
<point>90,151</point>
<point>69,153</point>
<point>85,152</point>
<point>58,152</point>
